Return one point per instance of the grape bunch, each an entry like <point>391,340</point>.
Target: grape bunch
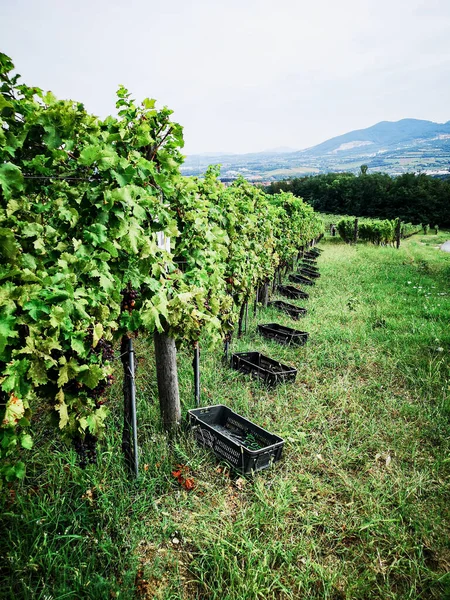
<point>129,297</point>
<point>86,449</point>
<point>100,391</point>
<point>90,444</point>
<point>106,349</point>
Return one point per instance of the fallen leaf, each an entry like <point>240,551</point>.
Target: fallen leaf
<point>146,467</point>
<point>189,484</point>
<point>240,483</point>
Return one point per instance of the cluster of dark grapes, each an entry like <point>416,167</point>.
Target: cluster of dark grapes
<point>129,297</point>
<point>86,449</point>
<point>106,349</point>
<point>99,392</point>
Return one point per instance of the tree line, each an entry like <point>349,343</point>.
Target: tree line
<point>415,198</point>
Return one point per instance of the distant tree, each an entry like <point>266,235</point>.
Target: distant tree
<point>413,198</point>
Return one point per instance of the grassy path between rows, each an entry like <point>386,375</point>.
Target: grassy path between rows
<point>357,508</point>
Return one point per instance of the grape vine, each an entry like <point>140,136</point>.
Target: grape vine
<point>82,201</point>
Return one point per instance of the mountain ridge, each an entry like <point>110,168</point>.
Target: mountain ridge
<point>385,133</point>
<point>407,145</point>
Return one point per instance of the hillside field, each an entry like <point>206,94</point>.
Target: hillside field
<point>357,508</point>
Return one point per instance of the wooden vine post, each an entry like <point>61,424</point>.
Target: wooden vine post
<point>355,232</point>
<point>166,367</point>
<point>398,230</point>
<point>167,377</point>
<point>241,318</point>
<point>264,293</point>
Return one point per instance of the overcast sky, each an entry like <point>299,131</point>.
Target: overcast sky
<point>241,75</point>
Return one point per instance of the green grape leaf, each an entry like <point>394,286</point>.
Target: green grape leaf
<point>38,372</point>
<point>15,410</point>
<point>150,319</point>
<point>6,330</point>
<point>11,179</point>
<point>106,283</point>
<point>62,409</point>
<point>77,346</point>
<point>95,420</point>
<point>36,309</point>
<point>9,248</point>
<point>19,470</point>
<point>97,334</point>
<point>90,155</point>
<point>26,441</point>
<point>14,377</point>
<point>96,234</point>
<point>92,376</point>
<point>109,247</point>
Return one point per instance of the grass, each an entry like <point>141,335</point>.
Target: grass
<point>357,508</point>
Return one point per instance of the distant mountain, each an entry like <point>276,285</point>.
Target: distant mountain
<point>409,145</point>
<point>381,137</point>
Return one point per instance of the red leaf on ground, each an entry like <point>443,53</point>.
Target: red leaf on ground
<point>189,484</point>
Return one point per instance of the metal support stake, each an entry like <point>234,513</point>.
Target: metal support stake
<point>246,315</point>
<point>129,436</point>
<point>133,407</point>
<point>196,366</point>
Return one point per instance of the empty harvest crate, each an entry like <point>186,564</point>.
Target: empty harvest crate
<point>309,273</point>
<point>238,441</point>
<point>301,279</point>
<point>282,334</point>
<point>269,370</point>
<point>305,265</point>
<point>293,311</point>
<point>290,291</point>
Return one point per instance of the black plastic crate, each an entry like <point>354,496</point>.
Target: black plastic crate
<point>311,267</point>
<point>269,370</point>
<point>309,261</point>
<point>301,279</point>
<point>292,292</point>
<point>309,273</point>
<point>282,334</point>
<point>245,446</point>
<point>293,311</point>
